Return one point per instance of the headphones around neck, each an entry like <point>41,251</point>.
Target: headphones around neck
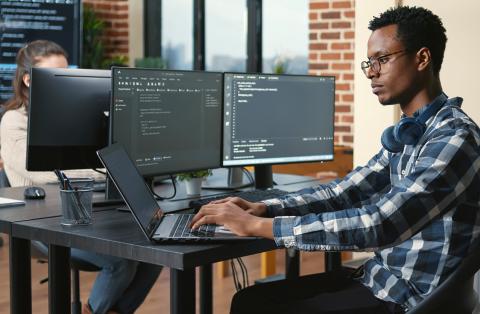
<point>409,130</point>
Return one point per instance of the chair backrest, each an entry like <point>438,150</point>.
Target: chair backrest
<point>456,293</point>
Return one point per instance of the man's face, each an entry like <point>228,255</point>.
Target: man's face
<point>397,79</point>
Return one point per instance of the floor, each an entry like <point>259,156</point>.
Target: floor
<point>158,300</point>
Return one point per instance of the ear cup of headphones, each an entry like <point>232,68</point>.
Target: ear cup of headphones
<point>389,142</point>
<point>408,131</point>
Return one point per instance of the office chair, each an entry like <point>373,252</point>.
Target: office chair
<point>76,266</point>
<point>456,293</point>
<point>3,184</point>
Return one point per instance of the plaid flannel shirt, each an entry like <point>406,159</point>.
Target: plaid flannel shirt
<point>418,210</point>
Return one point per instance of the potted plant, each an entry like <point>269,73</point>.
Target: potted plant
<point>193,180</point>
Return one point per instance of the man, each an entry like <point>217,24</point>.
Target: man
<point>415,204</point>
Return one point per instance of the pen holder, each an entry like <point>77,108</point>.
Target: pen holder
<point>77,202</point>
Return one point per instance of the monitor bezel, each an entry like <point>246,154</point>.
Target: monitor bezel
<point>276,163</point>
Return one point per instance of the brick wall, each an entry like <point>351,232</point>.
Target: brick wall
<point>331,46</point>
<point>115,15</point>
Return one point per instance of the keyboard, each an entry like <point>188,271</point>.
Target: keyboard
<point>181,228</point>
<point>251,196</point>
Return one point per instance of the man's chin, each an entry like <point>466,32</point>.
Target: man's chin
<point>385,101</point>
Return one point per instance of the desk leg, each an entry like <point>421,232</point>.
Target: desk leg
<point>182,291</point>
<point>58,279</point>
<point>206,295</point>
<point>20,276</point>
<point>333,261</point>
<point>292,263</point>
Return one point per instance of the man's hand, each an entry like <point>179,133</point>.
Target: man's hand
<point>229,214</point>
<point>256,209</point>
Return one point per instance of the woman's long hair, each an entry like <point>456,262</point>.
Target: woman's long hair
<point>27,57</point>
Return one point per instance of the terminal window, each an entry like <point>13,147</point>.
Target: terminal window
<point>168,121</point>
<point>272,119</point>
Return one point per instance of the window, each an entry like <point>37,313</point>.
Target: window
<point>285,36</point>
<point>177,34</point>
<point>226,35</point>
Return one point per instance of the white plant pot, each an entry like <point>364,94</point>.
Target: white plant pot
<point>194,186</point>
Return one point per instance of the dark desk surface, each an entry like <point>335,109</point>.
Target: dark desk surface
<point>116,233</point>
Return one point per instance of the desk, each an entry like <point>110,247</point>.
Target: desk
<point>116,233</point>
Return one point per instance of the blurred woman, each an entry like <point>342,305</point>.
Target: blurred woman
<point>122,285</point>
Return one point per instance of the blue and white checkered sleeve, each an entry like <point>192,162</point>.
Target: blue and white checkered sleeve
<point>448,165</point>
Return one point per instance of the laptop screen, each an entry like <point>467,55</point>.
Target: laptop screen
<point>131,186</point>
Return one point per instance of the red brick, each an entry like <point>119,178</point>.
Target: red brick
<point>341,25</point>
<point>312,36</point>
<point>121,7</point>
<point>321,46</point>
<point>312,56</point>
<point>347,118</point>
<point>344,86</point>
<point>347,138</point>
<point>330,56</point>
<point>103,6</point>
<point>113,33</point>
<point>319,5</point>
<point>331,15</point>
<point>341,5</point>
<point>329,35</point>
<point>348,56</point>
<point>336,139</point>
<point>342,66</point>
<point>348,76</point>
<point>340,46</point>
<point>337,119</point>
<point>342,108</point>
<point>318,25</point>
<point>347,97</point>
<point>337,97</point>
<point>318,66</point>
<point>342,128</point>
<point>312,16</point>
<point>121,24</point>
<point>349,35</point>
<point>350,14</point>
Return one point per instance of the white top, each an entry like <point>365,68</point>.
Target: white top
<point>13,141</point>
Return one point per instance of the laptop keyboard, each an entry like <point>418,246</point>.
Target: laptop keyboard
<point>181,228</point>
<point>251,196</point>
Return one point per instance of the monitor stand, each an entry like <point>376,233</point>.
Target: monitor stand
<point>112,196</point>
<point>263,177</point>
<point>226,179</point>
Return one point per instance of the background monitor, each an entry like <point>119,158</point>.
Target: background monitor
<point>28,20</point>
<point>68,118</point>
<point>275,119</point>
<point>168,121</point>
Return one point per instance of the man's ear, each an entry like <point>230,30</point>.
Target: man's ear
<point>26,79</point>
<point>424,58</point>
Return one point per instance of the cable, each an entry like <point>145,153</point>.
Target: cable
<point>249,175</point>
<point>161,198</point>
<point>236,283</point>
<point>244,268</point>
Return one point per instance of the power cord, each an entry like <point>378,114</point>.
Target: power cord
<point>100,171</point>
<point>161,198</point>
<point>249,175</point>
<point>236,281</point>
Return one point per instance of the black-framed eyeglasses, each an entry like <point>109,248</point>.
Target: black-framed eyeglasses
<point>376,63</point>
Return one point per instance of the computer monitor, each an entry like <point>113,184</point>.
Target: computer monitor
<point>275,119</point>
<point>168,121</point>
<point>27,20</point>
<point>68,118</point>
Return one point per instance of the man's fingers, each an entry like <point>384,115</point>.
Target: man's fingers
<point>205,220</point>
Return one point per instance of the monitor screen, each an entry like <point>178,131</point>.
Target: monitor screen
<point>168,121</point>
<point>68,118</point>
<point>275,119</point>
<point>28,20</point>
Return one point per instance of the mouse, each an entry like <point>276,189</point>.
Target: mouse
<point>34,192</point>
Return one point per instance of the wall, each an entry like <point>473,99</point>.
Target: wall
<point>115,13</point>
<point>331,44</point>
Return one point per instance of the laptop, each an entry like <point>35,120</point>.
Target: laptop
<point>155,224</point>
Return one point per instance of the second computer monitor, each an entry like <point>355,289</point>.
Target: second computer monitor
<point>275,119</point>
<point>168,121</point>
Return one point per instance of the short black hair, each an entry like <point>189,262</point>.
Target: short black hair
<point>416,28</point>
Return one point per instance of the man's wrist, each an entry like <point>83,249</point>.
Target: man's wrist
<point>262,227</point>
